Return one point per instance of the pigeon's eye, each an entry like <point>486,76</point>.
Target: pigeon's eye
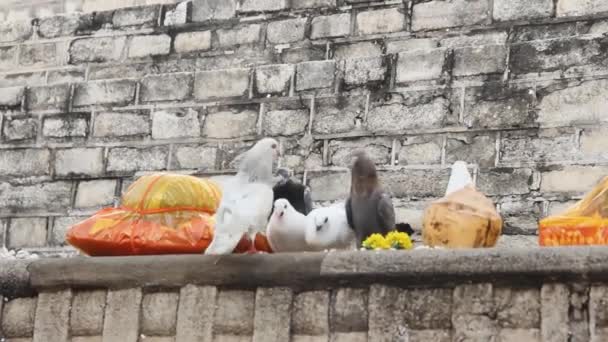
<point>285,206</point>
<point>274,146</point>
<point>326,219</point>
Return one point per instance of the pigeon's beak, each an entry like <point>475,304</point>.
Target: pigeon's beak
<point>319,228</point>
<point>281,214</point>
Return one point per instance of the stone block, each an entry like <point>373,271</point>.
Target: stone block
<point>416,183</point>
<point>24,162</point>
<point>338,115</point>
<point>520,217</point>
<point>121,124</point>
<point>315,74</point>
<point>147,46</point>
<point>421,65</point>
<point>65,126</point>
<point>63,25</point>
<point>18,317</point>
<point>592,142</point>
<point>235,313</point>
<point>194,157</point>
<point>381,21</point>
<point>195,313</point>
<point>598,300</point>
<point>574,8</point>
<point>474,328</point>
<point>329,187</point>
<point>521,10</point>
<point>310,314</point>
<point>38,55</point>
<point>124,159</point>
<point>221,83</point>
<point>420,151</point>
<point>348,337</point>
<point>11,97</point>
<point>20,129</point>
<point>166,87</point>
<point>526,146</point>
<point>245,35</point>
<point>400,117</point>
<point>286,31</point>
<point>357,50</point>
<point>121,322</point>
<point>572,179</point>
<point>65,76</point>
<point>51,196</point>
<point>192,41</point>
<point>27,232</point>
<point>330,26</point>
<point>177,123</point>
<point>119,92</point>
<point>273,78</point>
<point>136,16</point>
<point>248,6</point>
<point>134,70</point>
<point>505,182</point>
<point>204,10</point>
<point>430,335</point>
<point>519,335</point>
<point>159,313</point>
<point>271,303</point>
<point>8,57</point>
<point>180,14</point>
<point>364,70</point>
<point>87,339</point>
<point>285,122</point>
<point>577,103</point>
<point>230,123</point>
<point>438,14</point>
<point>410,45</point>
<point>479,149</point>
<point>97,50</point>
<point>555,303</point>
<point>475,299</point>
<point>79,161</point>
<point>341,152</point>
<point>52,316</point>
<point>348,312</point>
<point>480,60</point>
<point>87,313</point>
<point>518,308</point>
<point>48,97</point>
<point>15,30</point>
<point>498,106</point>
<point>60,228</point>
<point>95,193</point>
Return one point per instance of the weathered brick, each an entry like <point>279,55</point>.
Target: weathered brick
<point>577,103</point>
<point>598,300</point>
<point>119,124</point>
<point>118,92</point>
<point>479,149</point>
<point>402,116</point>
<point>19,30</point>
<point>235,313</point>
<point>341,152</point>
<point>52,316</point>
<point>348,312</point>
<point>179,14</point>
<point>286,31</point>
<point>27,232</point>
<point>24,162</point>
<point>42,196</point>
<point>66,126</point>
<point>336,25</point>
<point>271,303</point>
<point>194,157</point>
<point>421,65</point>
<point>552,145</point>
<point>364,70</point>
<point>338,115</point>
<point>221,83</point>
<point>250,34</point>
<point>285,122</point>
<point>329,187</point>
<point>494,105</point>
<point>63,25</point>
<point>8,57</point>
<point>87,313</point>
<point>38,55</point>
<point>136,16</point>
<point>61,225</point>
<point>20,129</point>
<point>192,41</point>
<point>572,8</point>
<point>572,179</point>
<point>133,70</point>
<point>159,313</point>
<point>203,10</point>
<point>11,97</point>
<point>195,313</point>
<point>520,9</point>
<point>411,45</point>
<point>357,50</point>
<point>310,314</point>
<point>97,50</point>
<point>480,60</point>
<point>166,87</point>
<point>593,141</point>
<point>95,193</point>
<point>555,300</point>
<point>520,217</point>
<point>439,14</point>
<point>178,123</point>
<point>315,74</point>
<point>518,335</point>
<point>124,159</point>
<point>48,97</point>
<point>474,328</point>
<point>420,150</point>
<point>313,4</point>
<point>146,46</point>
<point>65,76</point>
<point>273,78</point>
<point>229,123</point>
<point>381,21</point>
<point>79,161</point>
<point>505,181</point>
<point>476,299</point>
<point>418,183</point>
<point>262,5</point>
<point>518,308</point>
<point>121,322</point>
<point>18,317</point>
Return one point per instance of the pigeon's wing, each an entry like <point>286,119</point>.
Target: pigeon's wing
<point>386,213</point>
<point>307,201</point>
<point>349,213</point>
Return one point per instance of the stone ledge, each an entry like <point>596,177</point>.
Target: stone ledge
<point>307,271</point>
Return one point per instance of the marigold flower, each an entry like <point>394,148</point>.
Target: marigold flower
<point>376,241</point>
<point>399,240</point>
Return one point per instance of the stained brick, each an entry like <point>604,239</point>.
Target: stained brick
<point>364,70</point>
<point>571,8</point>
<point>286,31</point>
<point>43,196</point>
<point>505,181</point>
<point>11,97</point>
<point>20,129</point>
<point>146,46</point>
<point>335,25</point>
<point>496,106</point>
<point>86,318</point>
<point>192,41</point>
<point>24,162</point>
<point>274,78</point>
<point>522,9</point>
<point>136,16</point>
<point>338,115</point>
<point>38,55</point>
<point>240,36</point>
<point>228,123</point>
<point>271,303</point>
<point>179,123</point>
<point>95,193</point>
<point>121,124</point>
<point>262,5</point>
<point>17,30</point>
<point>313,4</point>
<point>315,74</point>
<point>104,92</point>
<point>27,232</point>
<point>102,49</point>
<point>124,159</point>
<point>572,179</point>
<point>398,117</point>
<point>203,10</point>
<point>121,322</point>
<point>576,103</point>
<point>48,97</point>
<point>357,50</point>
<point>63,25</point>
<point>18,317</point>
<point>195,313</point>
<point>65,76</point>
<point>235,313</point>
<point>381,21</point>
<point>421,65</point>
<point>166,87</point>
<point>159,313</point>
<point>221,83</point>
<point>194,157</point>
<point>443,14</point>
<point>480,60</point>
<point>480,149</point>
<point>52,316</point>
<point>419,150</point>
<point>329,187</point>
<point>285,122</point>
<point>8,57</point>
<point>66,126</point>
<point>79,161</point>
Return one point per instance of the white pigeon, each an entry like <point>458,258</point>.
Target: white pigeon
<point>286,229</point>
<point>327,228</point>
<point>247,199</point>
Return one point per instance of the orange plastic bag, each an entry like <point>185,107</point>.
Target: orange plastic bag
<point>586,223</point>
<point>160,214</point>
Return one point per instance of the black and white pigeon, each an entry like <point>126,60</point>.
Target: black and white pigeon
<point>369,209</point>
<point>298,194</point>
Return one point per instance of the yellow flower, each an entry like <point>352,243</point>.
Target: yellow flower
<point>376,241</point>
<point>399,240</point>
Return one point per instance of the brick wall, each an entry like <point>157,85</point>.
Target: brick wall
<point>89,101</point>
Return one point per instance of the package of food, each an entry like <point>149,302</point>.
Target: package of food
<point>464,218</point>
<point>585,223</point>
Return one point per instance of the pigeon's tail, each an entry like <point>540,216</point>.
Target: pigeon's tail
<point>404,228</point>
